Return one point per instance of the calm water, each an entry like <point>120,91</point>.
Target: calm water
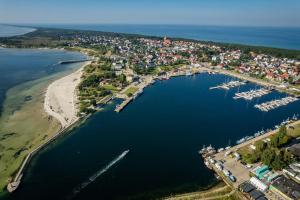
<point>8,31</point>
<point>163,129</point>
<point>21,65</point>
<point>281,37</point>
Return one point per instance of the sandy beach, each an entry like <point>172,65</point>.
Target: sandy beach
<point>61,98</point>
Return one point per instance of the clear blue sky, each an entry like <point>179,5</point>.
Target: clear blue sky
<point>203,12</point>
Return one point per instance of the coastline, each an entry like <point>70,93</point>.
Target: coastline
<point>59,96</point>
<point>60,104</point>
<point>59,134</point>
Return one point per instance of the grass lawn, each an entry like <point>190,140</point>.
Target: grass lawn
<point>131,91</point>
<point>110,87</point>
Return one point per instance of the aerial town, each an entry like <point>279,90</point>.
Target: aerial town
<point>121,67</point>
<point>140,62</point>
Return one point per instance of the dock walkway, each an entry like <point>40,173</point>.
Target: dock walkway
<point>249,95</point>
<point>227,86</point>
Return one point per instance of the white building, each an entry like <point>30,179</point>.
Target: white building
<point>258,184</point>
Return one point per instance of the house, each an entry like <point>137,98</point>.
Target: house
<point>246,187</point>
<point>286,188</point>
<point>256,194</point>
<point>167,42</point>
<point>258,184</point>
<point>295,149</point>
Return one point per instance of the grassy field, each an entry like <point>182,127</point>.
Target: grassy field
<point>130,91</point>
<point>111,87</point>
<point>23,125</point>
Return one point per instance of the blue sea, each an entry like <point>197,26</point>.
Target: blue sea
<point>280,37</point>
<point>163,128</point>
<point>8,31</point>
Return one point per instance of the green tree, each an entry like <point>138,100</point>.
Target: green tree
<point>282,132</point>
<point>93,102</point>
<point>260,146</point>
<point>287,157</point>
<point>274,141</point>
<point>122,78</point>
<point>251,158</point>
<point>278,163</point>
<point>268,156</point>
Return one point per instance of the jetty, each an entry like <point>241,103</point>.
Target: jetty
<point>73,61</point>
<point>16,181</point>
<point>249,95</point>
<point>271,105</point>
<point>120,107</point>
<point>227,86</point>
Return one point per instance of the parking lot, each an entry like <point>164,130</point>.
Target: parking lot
<point>238,170</point>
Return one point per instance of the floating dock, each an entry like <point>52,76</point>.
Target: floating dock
<point>249,95</point>
<point>271,105</point>
<point>227,86</point>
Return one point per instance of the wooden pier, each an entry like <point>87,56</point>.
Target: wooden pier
<point>227,86</point>
<point>270,105</point>
<point>249,95</point>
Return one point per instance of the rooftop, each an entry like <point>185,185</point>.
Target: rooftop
<point>287,186</point>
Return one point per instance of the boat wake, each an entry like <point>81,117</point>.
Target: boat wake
<point>96,175</point>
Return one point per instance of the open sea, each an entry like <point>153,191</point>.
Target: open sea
<point>8,31</point>
<point>280,37</point>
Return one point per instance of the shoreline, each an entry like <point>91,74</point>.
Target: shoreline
<point>50,106</point>
<point>61,98</point>
<point>56,90</point>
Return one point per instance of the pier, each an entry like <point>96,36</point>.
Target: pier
<point>271,105</point>
<point>249,95</point>
<point>120,107</point>
<point>227,86</point>
<point>73,61</point>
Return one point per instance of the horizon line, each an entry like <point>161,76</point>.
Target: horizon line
<point>152,24</point>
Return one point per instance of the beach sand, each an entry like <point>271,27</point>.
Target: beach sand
<point>25,125</point>
<point>61,99</point>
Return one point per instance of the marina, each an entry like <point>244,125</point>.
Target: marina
<point>251,94</point>
<point>228,164</point>
<point>262,132</point>
<point>229,85</point>
<point>271,105</point>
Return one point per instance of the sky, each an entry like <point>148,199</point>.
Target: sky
<point>196,12</point>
